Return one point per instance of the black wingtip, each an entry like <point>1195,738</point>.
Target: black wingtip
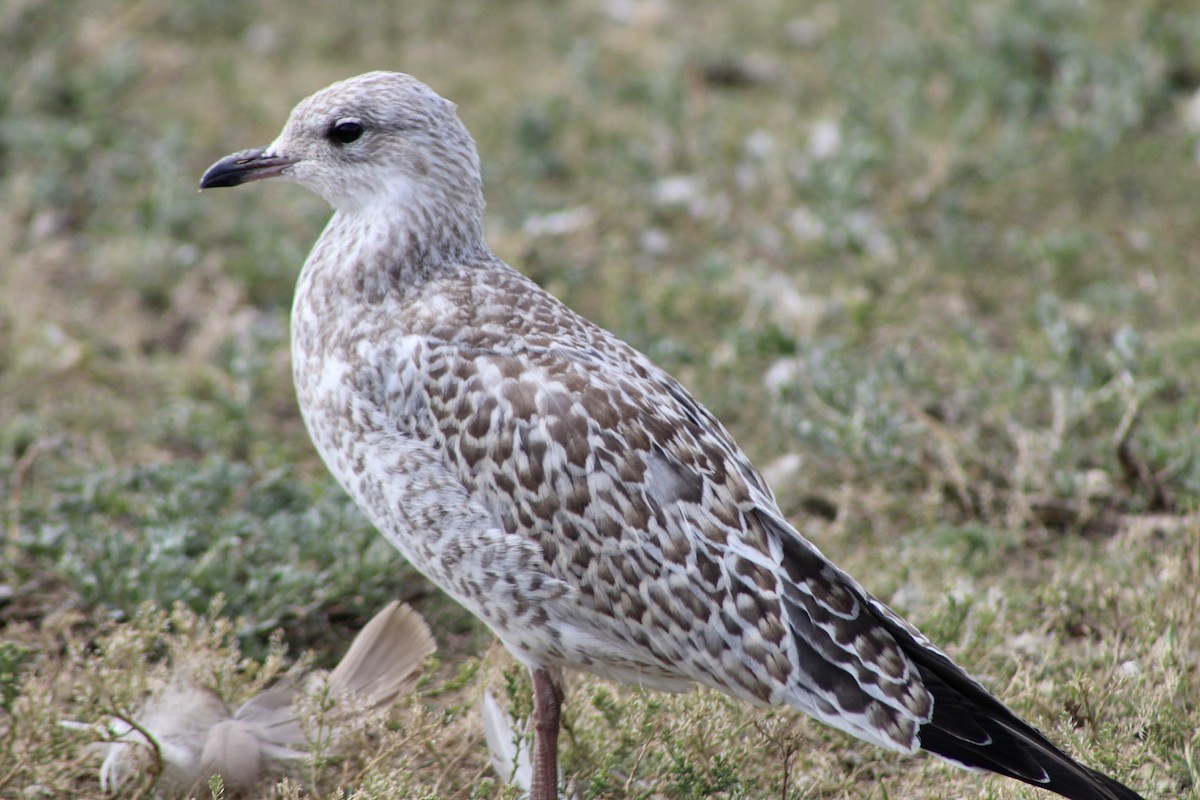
<point>1027,760</point>
<point>1014,748</point>
<point>962,709</point>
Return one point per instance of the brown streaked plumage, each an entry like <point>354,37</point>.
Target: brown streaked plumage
<point>560,485</point>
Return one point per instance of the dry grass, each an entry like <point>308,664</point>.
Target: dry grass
<point>933,263</point>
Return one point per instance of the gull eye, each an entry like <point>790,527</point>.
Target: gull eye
<point>345,131</point>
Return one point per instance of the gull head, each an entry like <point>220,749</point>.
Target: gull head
<point>382,142</point>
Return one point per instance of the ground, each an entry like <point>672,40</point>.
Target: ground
<point>933,263</point>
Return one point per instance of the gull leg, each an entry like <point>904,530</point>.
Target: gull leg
<point>547,705</point>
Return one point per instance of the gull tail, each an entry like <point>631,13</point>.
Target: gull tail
<point>973,729</point>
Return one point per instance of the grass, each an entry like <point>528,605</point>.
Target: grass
<point>933,263</point>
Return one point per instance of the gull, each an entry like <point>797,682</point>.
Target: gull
<point>560,485</point>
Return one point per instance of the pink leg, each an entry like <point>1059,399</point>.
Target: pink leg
<point>547,703</point>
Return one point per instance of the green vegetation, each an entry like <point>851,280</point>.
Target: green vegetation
<point>934,263</point>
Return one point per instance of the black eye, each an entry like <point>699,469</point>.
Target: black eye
<point>345,131</point>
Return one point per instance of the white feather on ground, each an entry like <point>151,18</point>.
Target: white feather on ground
<point>197,736</point>
<point>508,748</point>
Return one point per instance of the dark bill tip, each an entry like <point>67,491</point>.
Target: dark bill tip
<point>243,167</point>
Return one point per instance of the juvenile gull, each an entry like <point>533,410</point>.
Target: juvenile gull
<point>561,486</point>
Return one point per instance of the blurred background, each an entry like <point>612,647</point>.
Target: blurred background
<point>936,265</point>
